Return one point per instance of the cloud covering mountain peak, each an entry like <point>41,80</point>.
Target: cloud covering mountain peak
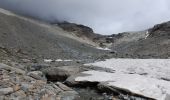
<point>104,16</point>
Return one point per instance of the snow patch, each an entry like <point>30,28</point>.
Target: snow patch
<point>100,48</point>
<point>147,34</point>
<point>147,77</point>
<point>48,60</point>
<point>156,68</point>
<point>141,85</point>
<point>58,60</point>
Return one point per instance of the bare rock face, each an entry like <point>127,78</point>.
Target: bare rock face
<point>28,38</point>
<point>86,32</point>
<point>160,30</point>
<point>80,30</point>
<point>153,43</point>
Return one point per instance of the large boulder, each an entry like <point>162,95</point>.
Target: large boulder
<point>61,73</point>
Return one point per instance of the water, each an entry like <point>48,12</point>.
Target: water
<point>92,94</point>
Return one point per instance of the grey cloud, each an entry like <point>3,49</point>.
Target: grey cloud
<point>104,16</point>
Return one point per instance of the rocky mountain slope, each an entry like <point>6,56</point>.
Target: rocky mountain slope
<point>153,43</point>
<point>86,33</point>
<point>20,35</point>
<point>31,49</point>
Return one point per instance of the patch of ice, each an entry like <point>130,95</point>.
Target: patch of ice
<point>100,48</point>
<point>147,34</point>
<point>48,60</point>
<point>138,84</point>
<point>147,77</point>
<point>156,68</point>
<point>68,60</point>
<point>59,60</point>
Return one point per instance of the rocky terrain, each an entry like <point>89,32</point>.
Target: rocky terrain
<point>32,54</point>
<point>153,43</point>
<point>55,61</point>
<point>86,33</point>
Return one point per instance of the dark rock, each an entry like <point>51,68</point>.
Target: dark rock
<point>81,30</point>
<point>160,30</point>
<point>61,73</point>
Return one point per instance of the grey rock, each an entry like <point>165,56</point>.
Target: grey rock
<point>61,73</point>
<point>25,87</point>
<point>4,91</point>
<point>63,87</point>
<point>69,95</point>
<point>38,67</point>
<point>36,75</point>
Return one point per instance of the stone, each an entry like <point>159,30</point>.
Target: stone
<point>36,75</point>
<point>69,95</point>
<point>38,67</point>
<point>63,87</point>
<point>6,67</point>
<point>16,87</point>
<point>26,87</point>
<point>4,91</point>
<point>61,73</point>
<point>47,97</point>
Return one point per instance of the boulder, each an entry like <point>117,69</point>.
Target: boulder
<point>61,73</point>
<point>38,75</point>
<point>5,91</point>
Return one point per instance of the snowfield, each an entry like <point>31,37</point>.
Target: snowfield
<point>146,77</point>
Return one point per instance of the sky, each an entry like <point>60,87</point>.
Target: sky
<point>104,16</point>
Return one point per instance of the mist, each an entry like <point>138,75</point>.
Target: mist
<point>104,16</point>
